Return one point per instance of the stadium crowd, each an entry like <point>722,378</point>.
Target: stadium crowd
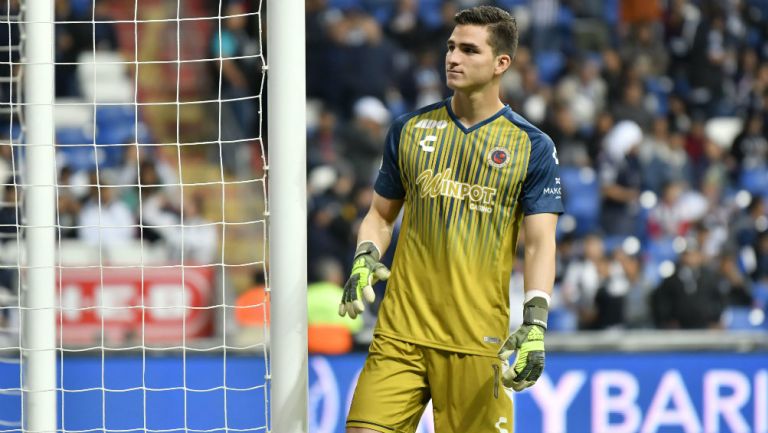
<point>658,110</point>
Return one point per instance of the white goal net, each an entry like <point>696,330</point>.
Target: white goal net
<point>160,233</point>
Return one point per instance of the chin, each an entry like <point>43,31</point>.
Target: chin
<point>454,85</point>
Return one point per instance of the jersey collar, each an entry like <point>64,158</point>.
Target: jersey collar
<point>478,125</point>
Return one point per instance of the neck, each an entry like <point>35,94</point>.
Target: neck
<point>474,107</point>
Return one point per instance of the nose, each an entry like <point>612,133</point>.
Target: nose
<point>451,58</point>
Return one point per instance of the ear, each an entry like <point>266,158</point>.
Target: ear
<point>503,62</point>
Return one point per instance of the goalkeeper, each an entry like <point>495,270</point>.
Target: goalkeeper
<point>469,174</point>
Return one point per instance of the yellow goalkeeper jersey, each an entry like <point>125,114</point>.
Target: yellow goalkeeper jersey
<point>466,191</point>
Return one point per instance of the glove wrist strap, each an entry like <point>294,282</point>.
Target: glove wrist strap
<point>368,247</point>
<point>535,312</point>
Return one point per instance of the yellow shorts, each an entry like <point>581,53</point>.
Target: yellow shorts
<point>399,379</point>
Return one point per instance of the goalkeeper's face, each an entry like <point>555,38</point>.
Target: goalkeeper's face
<point>470,63</point>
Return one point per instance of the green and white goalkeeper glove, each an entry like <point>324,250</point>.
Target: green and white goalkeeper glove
<point>528,342</point>
<point>366,271</point>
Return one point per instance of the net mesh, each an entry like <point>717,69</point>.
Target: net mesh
<point>160,216</point>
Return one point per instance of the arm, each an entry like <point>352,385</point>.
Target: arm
<point>539,275</point>
<point>539,267</point>
<point>373,239</point>
<point>378,224</point>
<point>620,193</point>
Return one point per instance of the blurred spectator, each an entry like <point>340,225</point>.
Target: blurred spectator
<point>332,213</point>
<point>747,224</point>
<point>318,48</point>
<point>572,148</point>
<point>199,237</point>
<point>9,232</point>
<point>70,42</point>
<point>645,50</point>
<point>104,220</point>
<point>613,73</point>
<point>707,59</point>
<point>362,141</point>
<point>237,83</point>
<point>610,297</point>
<point>733,282</point>
<point>324,294</point>
<point>69,205</point>
<point>682,18</point>
<point>158,211</point>
<point>668,218</point>
<point>637,301</point>
<point>760,272</point>
<point>6,159</point>
<point>429,88</point>
<point>362,58</point>
<point>188,236</point>
<point>640,11</point>
<point>750,148</point>
<point>405,26</point>
<point>544,35</point>
<point>632,106</point>
<point>323,143</point>
<point>329,333</point>
<point>690,298</point>
<point>677,210</point>
<point>679,119</point>
<point>146,168</point>
<point>620,177</point>
<point>252,312</point>
<point>583,278</point>
<point>584,93</point>
<point>102,34</point>
<point>663,158</point>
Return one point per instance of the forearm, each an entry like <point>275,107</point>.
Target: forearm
<point>539,267</point>
<point>376,229</point>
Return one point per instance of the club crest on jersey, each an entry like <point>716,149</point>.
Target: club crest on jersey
<point>498,157</point>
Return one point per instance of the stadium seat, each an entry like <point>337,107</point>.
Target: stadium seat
<point>136,254</point>
<point>755,180</point>
<point>75,148</point>
<point>582,197</point>
<point>561,320</point>
<point>74,252</point>
<point>103,78</point>
<point>744,319</point>
<point>429,12</point>
<point>659,250</point>
<point>760,295</point>
<point>510,4</point>
<point>550,64</point>
<point>72,113</point>
<point>115,115</point>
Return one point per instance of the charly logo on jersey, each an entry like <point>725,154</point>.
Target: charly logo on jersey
<point>480,197</point>
<point>501,425</point>
<point>431,124</point>
<point>498,157</point>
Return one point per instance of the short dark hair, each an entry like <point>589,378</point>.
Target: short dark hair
<point>502,27</point>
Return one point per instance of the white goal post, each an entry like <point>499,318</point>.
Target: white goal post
<point>38,315</point>
<point>288,214</point>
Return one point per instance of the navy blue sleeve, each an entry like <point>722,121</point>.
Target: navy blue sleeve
<point>388,183</point>
<point>542,192</point>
